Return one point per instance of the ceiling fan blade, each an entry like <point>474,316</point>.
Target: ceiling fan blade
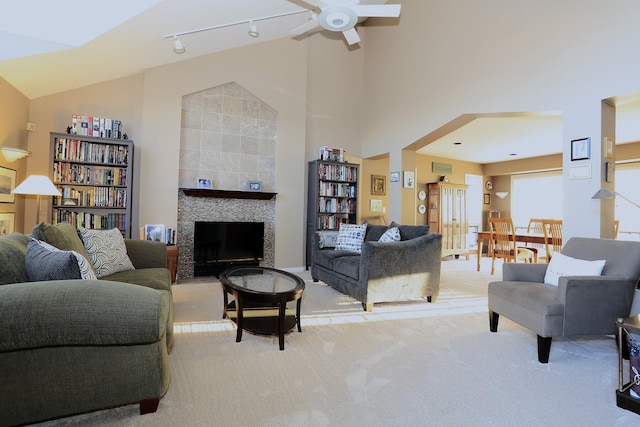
<point>307,26</point>
<point>309,4</point>
<point>351,36</point>
<point>377,10</point>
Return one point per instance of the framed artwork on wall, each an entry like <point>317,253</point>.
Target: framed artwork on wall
<point>580,149</point>
<point>608,146</point>
<point>7,184</point>
<point>409,180</point>
<point>154,232</point>
<point>378,185</point>
<point>7,223</point>
<point>487,198</point>
<point>394,177</point>
<point>204,183</point>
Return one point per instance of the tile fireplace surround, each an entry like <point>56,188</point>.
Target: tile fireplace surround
<point>229,136</point>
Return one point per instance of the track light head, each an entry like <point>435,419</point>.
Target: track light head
<point>178,47</point>
<point>253,30</point>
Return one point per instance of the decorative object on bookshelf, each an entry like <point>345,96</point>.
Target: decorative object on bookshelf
<point>204,183</point>
<point>94,126</point>
<point>7,184</point>
<point>255,185</point>
<point>154,232</point>
<point>378,185</point>
<point>331,154</point>
<point>38,185</point>
<point>332,197</point>
<point>94,176</point>
<point>7,222</point>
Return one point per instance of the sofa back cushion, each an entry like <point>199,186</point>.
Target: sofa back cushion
<point>408,232</point>
<point>622,257</point>
<point>13,248</point>
<point>374,232</point>
<point>63,236</point>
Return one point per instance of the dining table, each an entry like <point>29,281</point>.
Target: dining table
<point>521,237</point>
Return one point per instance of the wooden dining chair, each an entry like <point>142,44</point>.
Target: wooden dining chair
<point>503,242</point>
<point>552,236</point>
<point>535,226</point>
<point>616,227</point>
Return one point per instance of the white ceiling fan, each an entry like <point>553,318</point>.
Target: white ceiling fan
<point>343,15</point>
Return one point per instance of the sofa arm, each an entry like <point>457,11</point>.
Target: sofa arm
<point>146,253</point>
<point>80,312</point>
<point>385,259</point>
<point>523,272</point>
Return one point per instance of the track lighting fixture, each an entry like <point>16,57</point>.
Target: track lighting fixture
<point>253,30</point>
<point>178,47</point>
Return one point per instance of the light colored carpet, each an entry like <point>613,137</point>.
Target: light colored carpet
<point>404,364</point>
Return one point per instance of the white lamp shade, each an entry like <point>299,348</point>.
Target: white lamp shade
<point>37,184</point>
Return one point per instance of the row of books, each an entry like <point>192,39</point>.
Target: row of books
<point>336,205</point>
<point>330,222</point>
<point>95,126</point>
<point>91,220</point>
<point>112,197</point>
<point>331,154</point>
<point>331,189</point>
<point>91,152</point>
<point>67,173</point>
<point>337,172</point>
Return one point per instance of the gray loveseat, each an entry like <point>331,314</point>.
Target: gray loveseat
<point>383,271</point>
<point>580,304</point>
<point>72,346</point>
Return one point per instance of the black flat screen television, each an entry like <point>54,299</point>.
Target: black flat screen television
<point>228,241</point>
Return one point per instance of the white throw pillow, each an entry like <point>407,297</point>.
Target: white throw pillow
<point>391,235</point>
<point>106,250</point>
<point>562,265</point>
<point>351,237</point>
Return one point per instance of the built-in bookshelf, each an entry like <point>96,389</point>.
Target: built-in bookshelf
<point>332,197</point>
<point>94,176</point>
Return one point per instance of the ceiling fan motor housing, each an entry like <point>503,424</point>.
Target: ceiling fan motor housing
<point>337,18</point>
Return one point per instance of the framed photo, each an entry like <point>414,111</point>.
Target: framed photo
<point>610,171</point>
<point>394,177</point>
<point>607,143</point>
<point>580,172</point>
<point>378,185</point>
<point>255,185</point>
<point>408,179</point>
<point>154,232</point>
<point>204,183</point>
<point>7,223</point>
<point>487,198</point>
<point>7,184</point>
<point>375,205</point>
<point>580,149</point>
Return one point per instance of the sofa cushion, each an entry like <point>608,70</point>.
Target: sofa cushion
<point>106,250</point>
<point>408,232</point>
<point>348,265</point>
<point>155,278</point>
<point>325,258</point>
<point>13,248</point>
<point>46,262</point>
<point>374,232</point>
<point>391,235</point>
<point>351,237</point>
<point>63,236</point>
<point>563,265</point>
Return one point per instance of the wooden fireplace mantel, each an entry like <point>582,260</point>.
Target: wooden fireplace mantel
<point>227,194</point>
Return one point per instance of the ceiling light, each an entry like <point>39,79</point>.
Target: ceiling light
<point>337,18</point>
<point>253,30</point>
<point>178,47</point>
<point>502,194</point>
<point>13,154</point>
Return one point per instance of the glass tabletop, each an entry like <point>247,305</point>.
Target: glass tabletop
<point>262,280</point>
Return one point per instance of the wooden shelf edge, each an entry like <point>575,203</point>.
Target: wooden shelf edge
<point>227,194</point>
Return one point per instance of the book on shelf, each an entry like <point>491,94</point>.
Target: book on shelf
<point>331,154</point>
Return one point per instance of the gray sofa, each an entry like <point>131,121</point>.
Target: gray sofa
<point>383,271</point>
<point>73,346</point>
<point>580,304</point>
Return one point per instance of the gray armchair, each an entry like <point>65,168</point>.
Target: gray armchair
<point>579,305</point>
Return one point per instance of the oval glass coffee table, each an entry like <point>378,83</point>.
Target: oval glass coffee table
<point>260,300</point>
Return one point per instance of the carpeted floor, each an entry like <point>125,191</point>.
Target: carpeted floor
<point>403,364</point>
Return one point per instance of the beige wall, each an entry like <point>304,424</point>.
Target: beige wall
<point>14,114</point>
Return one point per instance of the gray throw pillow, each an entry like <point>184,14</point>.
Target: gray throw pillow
<point>46,262</point>
<point>106,250</point>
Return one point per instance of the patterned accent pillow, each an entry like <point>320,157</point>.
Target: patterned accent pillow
<point>106,250</point>
<point>327,239</point>
<point>350,237</point>
<point>46,262</point>
<point>391,235</point>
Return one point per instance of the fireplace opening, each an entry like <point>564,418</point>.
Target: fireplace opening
<point>220,245</point>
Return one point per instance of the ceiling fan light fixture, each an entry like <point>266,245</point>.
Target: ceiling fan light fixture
<point>178,47</point>
<point>253,30</point>
<point>337,18</point>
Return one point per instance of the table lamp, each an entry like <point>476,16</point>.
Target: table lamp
<point>38,185</point>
